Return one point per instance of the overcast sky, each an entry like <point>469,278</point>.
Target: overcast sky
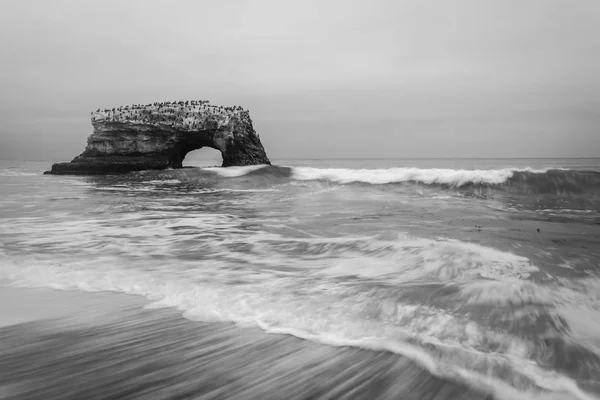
<point>414,78</point>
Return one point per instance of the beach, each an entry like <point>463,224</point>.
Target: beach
<point>74,345</point>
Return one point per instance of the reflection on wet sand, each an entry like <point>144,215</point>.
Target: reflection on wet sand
<point>159,355</point>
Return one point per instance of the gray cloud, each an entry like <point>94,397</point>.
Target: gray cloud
<point>418,78</point>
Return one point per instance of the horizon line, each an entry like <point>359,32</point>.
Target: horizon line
<point>383,158</point>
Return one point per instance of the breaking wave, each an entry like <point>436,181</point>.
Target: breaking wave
<point>360,312</point>
<point>342,257</point>
<point>562,182</point>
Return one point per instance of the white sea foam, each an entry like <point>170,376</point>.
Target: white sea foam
<point>328,324</point>
<point>562,387</point>
<point>442,259</point>
<point>328,313</point>
<point>123,189</point>
<point>142,254</point>
<point>581,292</point>
<point>232,172</point>
<point>163,181</point>
<point>451,177</point>
<point>15,172</point>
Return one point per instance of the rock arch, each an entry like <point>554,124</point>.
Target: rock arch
<point>204,156</point>
<point>160,136</point>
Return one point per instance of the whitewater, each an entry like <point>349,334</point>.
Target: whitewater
<point>483,273</point>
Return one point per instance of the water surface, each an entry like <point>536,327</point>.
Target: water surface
<point>482,272</point>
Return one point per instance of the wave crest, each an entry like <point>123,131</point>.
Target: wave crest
<point>561,182</point>
<point>450,177</point>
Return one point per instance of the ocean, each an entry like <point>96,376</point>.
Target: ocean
<point>479,273</point>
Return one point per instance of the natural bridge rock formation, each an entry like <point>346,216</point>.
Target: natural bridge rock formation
<point>159,135</point>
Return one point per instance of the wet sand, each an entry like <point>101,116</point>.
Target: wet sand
<point>75,345</point>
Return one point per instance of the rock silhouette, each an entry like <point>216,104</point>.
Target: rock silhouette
<point>159,135</point>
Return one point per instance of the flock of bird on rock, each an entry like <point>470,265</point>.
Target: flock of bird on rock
<point>189,114</point>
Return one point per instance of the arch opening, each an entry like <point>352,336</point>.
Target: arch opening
<point>203,157</point>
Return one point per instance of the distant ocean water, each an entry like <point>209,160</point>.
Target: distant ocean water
<point>483,272</point>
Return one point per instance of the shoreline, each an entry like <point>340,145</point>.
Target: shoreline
<point>20,305</point>
<point>69,344</point>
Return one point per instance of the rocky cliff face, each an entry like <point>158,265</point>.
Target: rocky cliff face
<point>159,135</point>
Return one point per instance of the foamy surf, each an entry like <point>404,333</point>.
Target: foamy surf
<point>549,385</point>
<point>232,172</point>
<point>450,177</point>
<point>433,337</point>
<point>471,287</point>
<point>560,182</point>
<point>560,387</point>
